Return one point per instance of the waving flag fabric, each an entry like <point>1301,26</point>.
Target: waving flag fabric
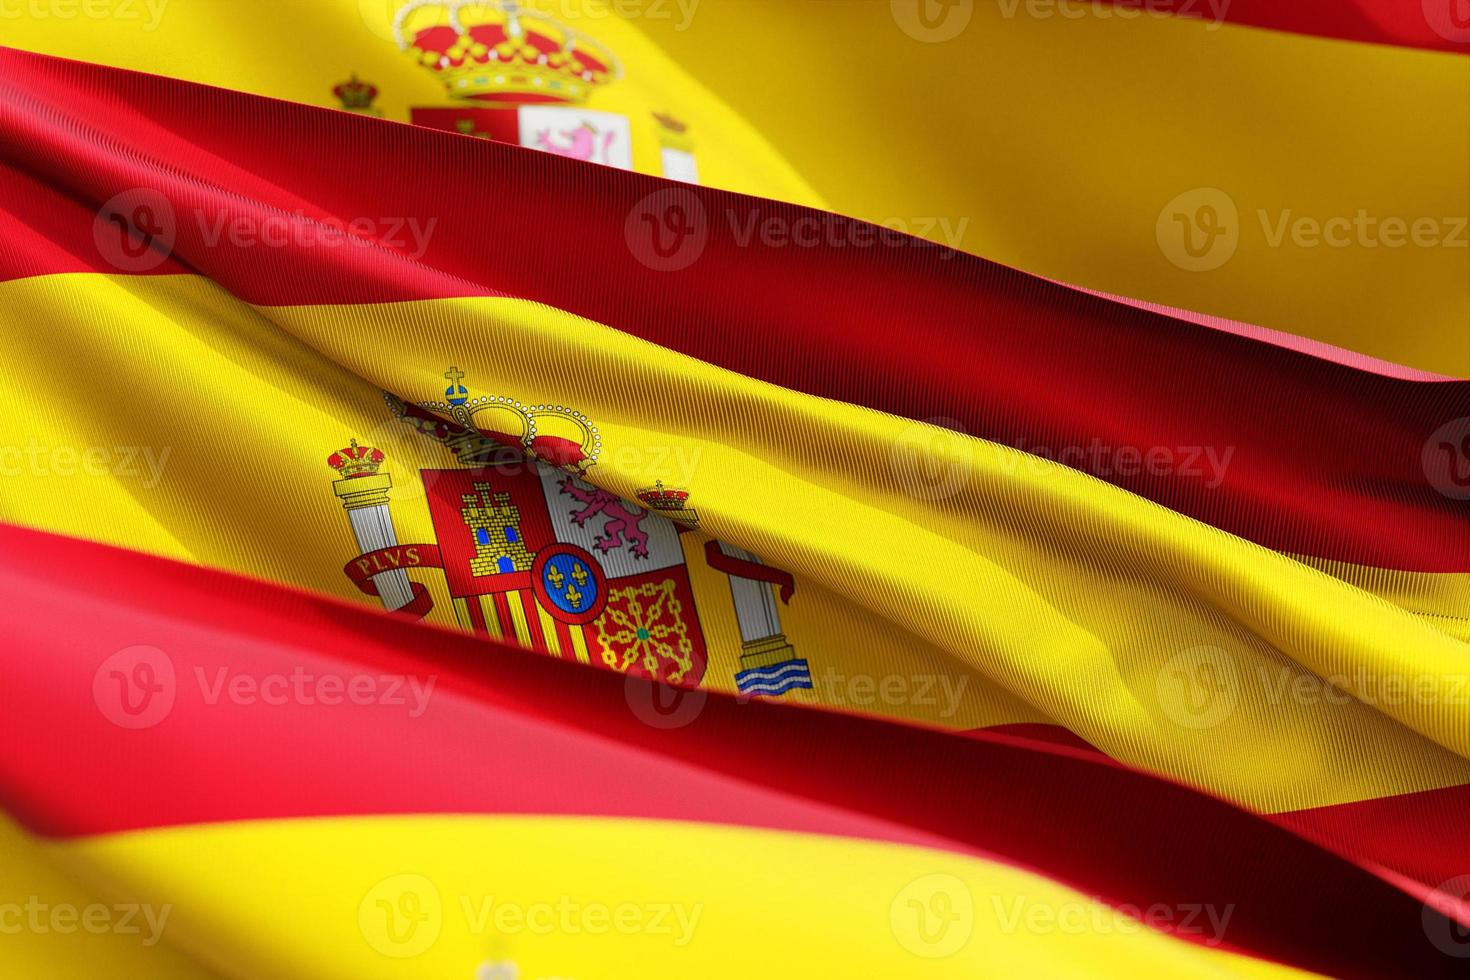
<point>1067,139</point>
<point>1105,637</point>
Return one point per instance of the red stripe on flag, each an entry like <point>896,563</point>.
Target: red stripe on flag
<point>122,699</point>
<point>502,614</point>
<point>1439,25</point>
<point>477,615</point>
<point>906,327</point>
<point>564,640</point>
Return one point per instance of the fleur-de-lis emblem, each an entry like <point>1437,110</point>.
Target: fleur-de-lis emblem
<point>569,584</point>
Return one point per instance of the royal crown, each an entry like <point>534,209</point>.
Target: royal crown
<point>555,434</point>
<point>357,96</point>
<point>671,502</point>
<point>501,51</point>
<point>356,461</point>
<point>660,497</point>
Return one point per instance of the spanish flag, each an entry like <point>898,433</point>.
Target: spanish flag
<point>594,490</point>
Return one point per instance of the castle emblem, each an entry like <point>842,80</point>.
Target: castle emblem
<point>535,555</point>
<point>496,525</point>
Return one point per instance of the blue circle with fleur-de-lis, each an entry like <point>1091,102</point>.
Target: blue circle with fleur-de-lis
<point>570,583</point>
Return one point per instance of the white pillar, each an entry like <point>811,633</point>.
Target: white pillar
<point>366,501</point>
<point>762,642</point>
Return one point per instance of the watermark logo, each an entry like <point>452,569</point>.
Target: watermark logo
<point>42,918</point>
<point>668,230</point>
<point>933,916</point>
<point>1450,19</point>
<point>936,459</point>
<point>404,915</point>
<point>147,14</point>
<point>144,464</point>
<point>401,916</point>
<point>933,21</point>
<point>941,692</point>
<point>303,687</point>
<point>1446,911</point>
<point>498,970</point>
<point>933,459</point>
<point>139,687</point>
<point>1211,12</point>
<point>378,15</point>
<point>1117,464</point>
<point>836,232</point>
<point>1198,688</point>
<point>1207,923</point>
<point>296,229</point>
<point>135,687</point>
<point>1446,459</point>
<point>662,706</point>
<point>1199,230</point>
<point>135,230</point>
<point>567,915</point>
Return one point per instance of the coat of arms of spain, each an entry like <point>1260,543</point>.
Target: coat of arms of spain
<point>534,554</point>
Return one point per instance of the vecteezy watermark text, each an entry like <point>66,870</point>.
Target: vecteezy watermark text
<point>138,229</point>
<point>403,916</point>
<point>936,459</point>
<point>147,14</point>
<point>1201,687</point>
<point>1206,922</point>
<point>669,230</point>
<point>834,231</point>
<point>936,21</point>
<point>304,687</point>
<point>138,687</point>
<point>1200,230</point>
<point>379,15</point>
<point>142,463</point>
<point>42,918</point>
<point>940,691</point>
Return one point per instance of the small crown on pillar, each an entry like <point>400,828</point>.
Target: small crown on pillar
<point>673,132</point>
<point>357,96</point>
<point>356,461</point>
<point>671,123</point>
<point>671,502</point>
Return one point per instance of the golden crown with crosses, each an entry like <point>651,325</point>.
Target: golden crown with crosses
<point>503,51</point>
<point>355,462</point>
<point>555,434</point>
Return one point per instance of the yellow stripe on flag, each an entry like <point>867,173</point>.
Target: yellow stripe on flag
<point>1034,592</point>
<point>442,897</point>
<point>57,923</point>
